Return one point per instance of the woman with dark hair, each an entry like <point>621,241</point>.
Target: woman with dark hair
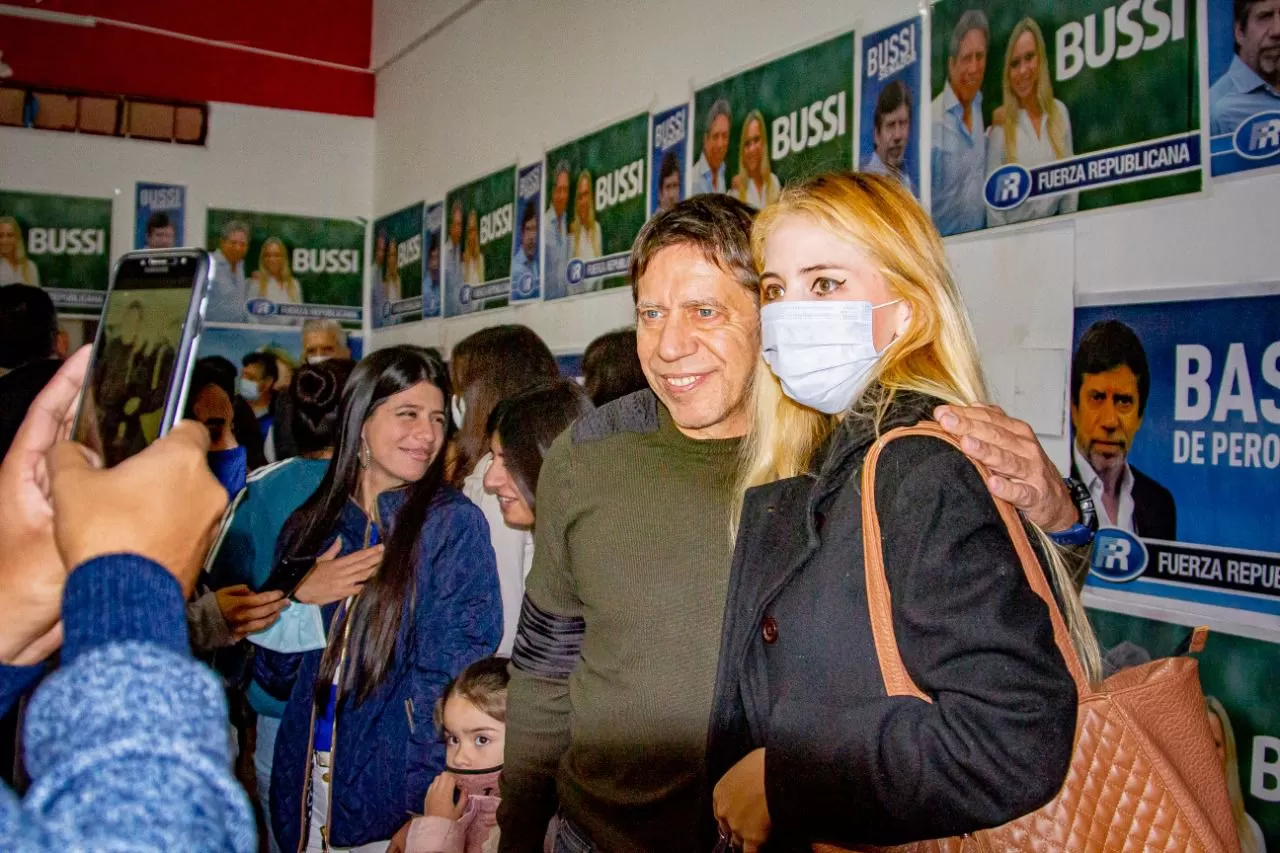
<point>611,367</point>
<point>356,749</point>
<point>488,367</point>
<point>243,555</point>
<point>521,430</point>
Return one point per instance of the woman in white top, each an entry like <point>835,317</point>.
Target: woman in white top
<point>1031,127</point>
<point>487,367</point>
<point>584,232</point>
<point>391,278</point>
<point>15,267</point>
<point>1224,738</point>
<point>755,183</point>
<point>273,279</point>
<point>472,259</point>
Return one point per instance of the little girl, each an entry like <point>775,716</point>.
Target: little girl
<point>460,812</point>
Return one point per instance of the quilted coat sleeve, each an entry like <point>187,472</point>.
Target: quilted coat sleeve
<point>996,741</point>
<point>458,622</point>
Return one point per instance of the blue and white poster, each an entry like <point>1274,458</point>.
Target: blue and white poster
<point>432,226</point>
<point>1244,85</point>
<point>889,135</point>
<point>670,145</point>
<point>160,216</point>
<point>526,277</point>
<point>1175,409</point>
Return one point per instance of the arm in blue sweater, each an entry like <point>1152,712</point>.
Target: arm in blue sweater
<point>127,742</point>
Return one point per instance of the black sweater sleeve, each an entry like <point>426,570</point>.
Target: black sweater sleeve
<point>996,741</point>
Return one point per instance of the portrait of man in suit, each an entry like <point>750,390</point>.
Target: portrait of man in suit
<point>1110,382</point>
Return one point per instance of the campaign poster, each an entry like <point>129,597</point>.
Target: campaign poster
<point>58,242</point>
<point>670,147</point>
<point>273,269</point>
<point>432,245</point>
<point>395,272</point>
<point>775,124</point>
<point>1045,107</point>
<point>1242,701</point>
<point>234,343</point>
<point>889,119</point>
<point>597,186</point>
<point>477,245</point>
<point>1175,412</point>
<point>160,216</point>
<point>526,257</point>
<point>1244,85</point>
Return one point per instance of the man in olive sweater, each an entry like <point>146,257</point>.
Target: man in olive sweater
<point>614,663</point>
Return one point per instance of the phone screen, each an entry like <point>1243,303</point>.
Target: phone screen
<point>140,357</point>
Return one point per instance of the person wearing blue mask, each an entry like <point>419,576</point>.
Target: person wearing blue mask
<point>258,376</point>
<point>356,748</point>
<point>863,331</point>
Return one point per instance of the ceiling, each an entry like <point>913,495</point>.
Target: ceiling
<point>293,54</point>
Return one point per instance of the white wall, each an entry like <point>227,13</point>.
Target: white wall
<point>279,161</point>
<point>508,79</point>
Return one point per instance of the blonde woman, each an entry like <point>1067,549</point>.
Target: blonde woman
<point>1031,127</point>
<point>755,183</point>
<point>863,330</point>
<point>391,274</point>
<point>15,266</point>
<point>585,242</point>
<point>472,258</point>
<point>273,279</point>
<point>1224,737</point>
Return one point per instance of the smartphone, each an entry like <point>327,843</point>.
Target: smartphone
<point>288,575</point>
<point>144,351</point>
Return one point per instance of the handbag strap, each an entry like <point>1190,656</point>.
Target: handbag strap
<point>897,681</point>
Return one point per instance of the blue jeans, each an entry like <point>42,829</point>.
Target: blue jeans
<point>262,756</point>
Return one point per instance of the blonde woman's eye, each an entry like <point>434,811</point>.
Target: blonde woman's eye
<point>773,291</point>
<point>826,286</point>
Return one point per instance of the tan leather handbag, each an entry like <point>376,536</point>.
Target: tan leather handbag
<point>1144,773</point>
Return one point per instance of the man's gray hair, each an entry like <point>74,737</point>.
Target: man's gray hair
<point>973,19</point>
<point>231,226</point>
<point>324,325</point>
<point>719,108</point>
<point>564,167</point>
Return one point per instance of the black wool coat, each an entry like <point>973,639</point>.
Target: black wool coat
<point>798,674</point>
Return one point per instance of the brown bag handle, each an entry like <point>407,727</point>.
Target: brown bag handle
<point>897,681</point>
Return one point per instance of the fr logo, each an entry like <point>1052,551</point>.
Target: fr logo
<point>1258,137</point>
<point>1118,556</point>
<point>1007,187</point>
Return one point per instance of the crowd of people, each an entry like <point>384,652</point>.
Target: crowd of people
<point>479,606</point>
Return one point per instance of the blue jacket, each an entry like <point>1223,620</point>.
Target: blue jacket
<point>127,741</point>
<point>386,750</point>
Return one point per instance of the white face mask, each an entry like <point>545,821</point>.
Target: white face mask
<point>249,390</point>
<point>821,351</point>
<point>459,409</point>
<point>318,359</point>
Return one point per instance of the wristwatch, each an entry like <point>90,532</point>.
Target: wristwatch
<point>1080,533</point>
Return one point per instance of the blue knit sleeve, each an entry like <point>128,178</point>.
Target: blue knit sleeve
<point>127,743</point>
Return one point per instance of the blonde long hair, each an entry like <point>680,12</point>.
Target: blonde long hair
<point>584,230</point>
<point>1231,766</point>
<point>262,275</point>
<point>21,263</point>
<point>1044,95</point>
<point>936,355</point>
<point>766,165</point>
